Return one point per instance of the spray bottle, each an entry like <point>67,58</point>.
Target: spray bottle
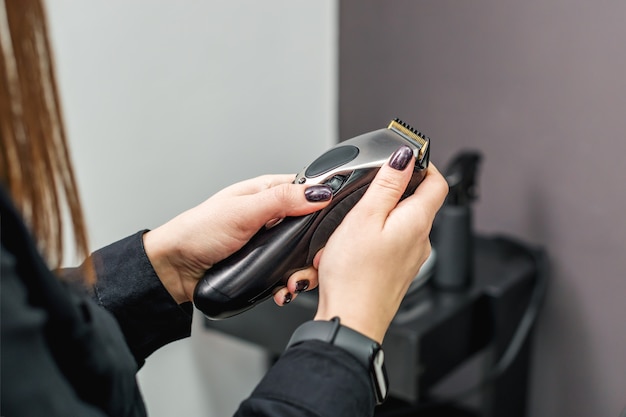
<point>453,231</point>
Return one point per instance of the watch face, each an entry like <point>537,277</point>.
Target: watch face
<point>380,376</point>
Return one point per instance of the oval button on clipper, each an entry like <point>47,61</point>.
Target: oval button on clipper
<point>334,158</point>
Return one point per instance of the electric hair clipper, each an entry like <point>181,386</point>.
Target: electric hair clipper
<point>253,273</point>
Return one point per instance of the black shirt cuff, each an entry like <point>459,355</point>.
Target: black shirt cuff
<point>128,287</point>
<point>313,378</point>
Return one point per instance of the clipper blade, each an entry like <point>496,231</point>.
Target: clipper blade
<point>412,134</point>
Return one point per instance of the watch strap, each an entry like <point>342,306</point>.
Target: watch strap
<point>368,352</point>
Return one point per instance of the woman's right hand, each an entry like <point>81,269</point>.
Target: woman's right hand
<point>369,262</point>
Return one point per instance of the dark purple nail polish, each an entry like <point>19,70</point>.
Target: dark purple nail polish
<point>302,285</point>
<point>287,298</point>
<point>401,158</point>
<point>317,193</point>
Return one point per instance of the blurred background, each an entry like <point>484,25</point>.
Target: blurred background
<point>168,102</point>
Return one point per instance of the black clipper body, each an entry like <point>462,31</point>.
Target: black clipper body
<point>253,273</point>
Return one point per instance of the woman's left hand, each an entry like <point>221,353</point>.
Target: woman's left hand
<point>184,248</point>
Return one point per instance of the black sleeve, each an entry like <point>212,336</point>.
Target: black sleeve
<point>60,353</point>
<point>62,358</point>
<point>40,387</point>
<point>312,379</point>
<point>129,288</point>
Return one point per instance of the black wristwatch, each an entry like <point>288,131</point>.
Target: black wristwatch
<point>367,351</point>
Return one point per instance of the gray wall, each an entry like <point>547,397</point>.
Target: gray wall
<point>539,86</point>
<point>166,102</point>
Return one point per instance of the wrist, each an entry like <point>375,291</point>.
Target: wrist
<point>364,324</point>
<point>159,257</point>
<point>366,351</point>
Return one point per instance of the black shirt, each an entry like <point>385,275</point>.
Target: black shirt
<point>71,351</point>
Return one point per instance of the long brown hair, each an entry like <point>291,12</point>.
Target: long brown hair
<point>35,163</point>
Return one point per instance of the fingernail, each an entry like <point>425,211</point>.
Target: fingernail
<point>302,285</point>
<point>317,193</point>
<point>401,158</point>
<point>287,298</point>
<point>273,222</point>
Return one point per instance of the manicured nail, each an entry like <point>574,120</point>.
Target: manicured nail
<point>302,285</point>
<point>401,158</point>
<point>317,193</point>
<point>287,298</point>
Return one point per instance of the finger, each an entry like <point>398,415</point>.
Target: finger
<point>288,200</point>
<point>431,193</point>
<point>303,280</point>
<point>255,185</point>
<point>300,281</point>
<point>316,259</point>
<point>389,184</point>
<point>283,296</point>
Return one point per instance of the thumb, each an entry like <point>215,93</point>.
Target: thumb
<point>289,200</point>
<point>390,182</point>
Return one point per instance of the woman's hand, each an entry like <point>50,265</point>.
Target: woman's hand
<point>185,247</point>
<point>369,262</point>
